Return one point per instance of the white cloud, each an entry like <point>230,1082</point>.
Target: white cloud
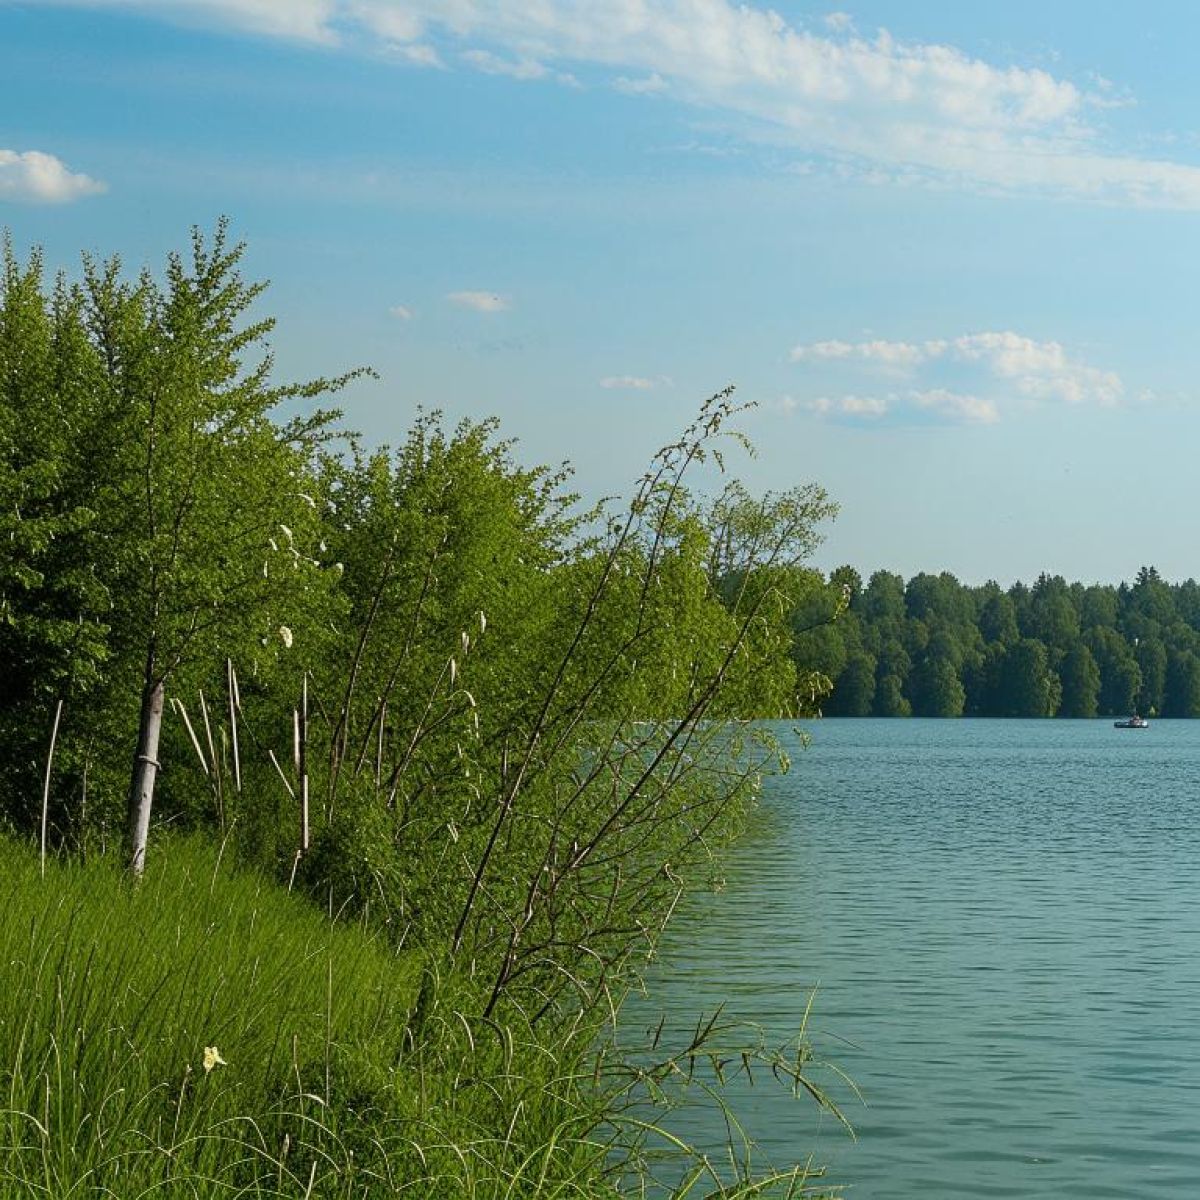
<point>516,68</point>
<point>843,406</point>
<point>417,54</point>
<point>651,85</point>
<point>493,64</point>
<point>877,108</point>
<point>892,354</point>
<point>637,383</point>
<point>40,178</point>
<point>952,406</point>
<point>973,409</point>
<point>1041,370</point>
<point>889,354</point>
<point>401,312</point>
<point>832,349</point>
<point>483,302</point>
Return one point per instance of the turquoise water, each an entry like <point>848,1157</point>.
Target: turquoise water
<point>1002,921</point>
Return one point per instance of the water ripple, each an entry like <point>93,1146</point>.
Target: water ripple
<point>1002,920</point>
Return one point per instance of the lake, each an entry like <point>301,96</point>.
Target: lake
<point>1002,921</point>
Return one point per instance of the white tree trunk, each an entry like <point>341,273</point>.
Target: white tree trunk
<point>145,771</point>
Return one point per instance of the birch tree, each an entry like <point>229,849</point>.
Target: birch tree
<point>210,535</point>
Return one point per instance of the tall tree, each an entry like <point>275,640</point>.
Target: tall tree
<point>1080,683</point>
<point>1182,693</point>
<point>1027,687</point>
<point>201,497</point>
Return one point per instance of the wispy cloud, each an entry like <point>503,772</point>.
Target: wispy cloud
<point>998,364</point>
<point>637,383</point>
<point>38,178</point>
<point>877,107</point>
<point>649,85</point>
<point>515,68</point>
<point>314,21</point>
<point>957,406</point>
<point>842,406</point>
<point>401,312</point>
<point>482,302</point>
<point>892,354</point>
<point>940,403</point>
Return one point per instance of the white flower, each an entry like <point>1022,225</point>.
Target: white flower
<point>285,636</point>
<point>212,1058</point>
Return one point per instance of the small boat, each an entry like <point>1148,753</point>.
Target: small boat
<point>1134,722</point>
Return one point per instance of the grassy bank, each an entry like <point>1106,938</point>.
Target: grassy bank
<point>205,1034</point>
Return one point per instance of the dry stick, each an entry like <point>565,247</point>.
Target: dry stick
<point>302,764</point>
<point>46,784</point>
<point>379,746</point>
<point>291,791</point>
<point>234,705</point>
<point>179,708</point>
<point>216,765</point>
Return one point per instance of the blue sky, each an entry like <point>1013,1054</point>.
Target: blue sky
<point>948,250</point>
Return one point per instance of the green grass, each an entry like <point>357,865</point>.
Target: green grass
<point>349,1069</point>
<point>111,993</point>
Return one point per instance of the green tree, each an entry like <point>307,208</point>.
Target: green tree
<point>1080,683</point>
<point>935,688</point>
<point>209,533</point>
<point>883,597</point>
<point>1182,693</point>
<point>998,619</point>
<point>1051,616</point>
<point>1027,686</point>
<point>1120,675</point>
<point>54,609</point>
<point>1151,656</point>
<point>890,700</point>
<point>1098,607</point>
<point>854,689</point>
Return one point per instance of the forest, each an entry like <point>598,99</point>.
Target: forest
<point>346,789</point>
<point>934,647</point>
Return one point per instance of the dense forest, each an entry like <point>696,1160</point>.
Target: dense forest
<point>934,647</point>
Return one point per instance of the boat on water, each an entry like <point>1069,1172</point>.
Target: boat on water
<point>1134,722</point>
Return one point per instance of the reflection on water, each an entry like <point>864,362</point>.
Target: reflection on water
<point>1002,919</point>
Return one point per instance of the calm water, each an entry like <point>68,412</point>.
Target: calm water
<point>1003,922</point>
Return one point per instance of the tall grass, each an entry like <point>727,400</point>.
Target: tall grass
<point>346,1069</point>
<point>112,998</point>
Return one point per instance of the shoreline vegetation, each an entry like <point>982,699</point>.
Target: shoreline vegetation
<point>348,790</point>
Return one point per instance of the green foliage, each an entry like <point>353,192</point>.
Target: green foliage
<point>1080,683</point>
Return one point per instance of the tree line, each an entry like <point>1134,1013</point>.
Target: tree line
<point>932,646</point>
